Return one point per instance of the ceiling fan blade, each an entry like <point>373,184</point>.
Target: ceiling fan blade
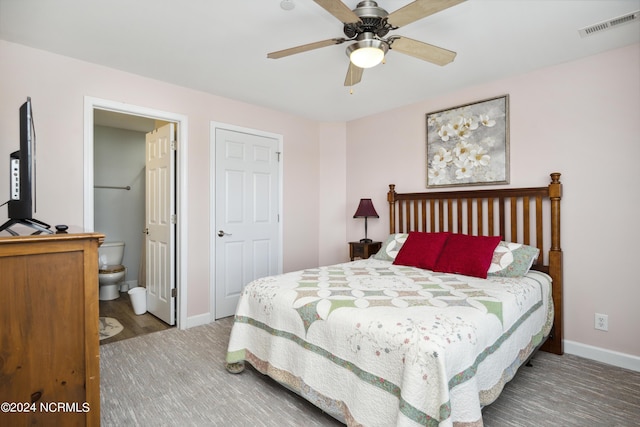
<point>354,75</point>
<point>417,10</point>
<point>339,10</point>
<point>304,48</point>
<point>421,50</point>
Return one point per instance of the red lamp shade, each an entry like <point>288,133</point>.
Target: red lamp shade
<point>365,210</point>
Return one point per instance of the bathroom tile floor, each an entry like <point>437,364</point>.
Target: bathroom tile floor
<point>134,325</point>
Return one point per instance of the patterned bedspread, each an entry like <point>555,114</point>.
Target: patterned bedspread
<point>377,344</point>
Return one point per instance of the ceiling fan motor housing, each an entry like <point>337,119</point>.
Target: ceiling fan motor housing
<point>373,19</point>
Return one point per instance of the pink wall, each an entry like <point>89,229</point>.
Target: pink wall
<point>332,227</point>
<point>581,119</point>
<point>58,86</point>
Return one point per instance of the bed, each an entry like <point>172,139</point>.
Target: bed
<point>415,335</point>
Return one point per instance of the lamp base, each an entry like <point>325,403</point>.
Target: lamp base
<point>366,241</point>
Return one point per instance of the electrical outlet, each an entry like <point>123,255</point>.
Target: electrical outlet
<point>602,322</point>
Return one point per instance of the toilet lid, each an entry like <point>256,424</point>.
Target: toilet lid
<point>108,269</point>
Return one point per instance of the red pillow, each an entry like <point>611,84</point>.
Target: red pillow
<point>468,255</point>
<point>421,249</point>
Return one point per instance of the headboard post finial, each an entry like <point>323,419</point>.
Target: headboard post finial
<point>391,198</point>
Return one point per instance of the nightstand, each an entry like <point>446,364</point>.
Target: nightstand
<point>363,250</point>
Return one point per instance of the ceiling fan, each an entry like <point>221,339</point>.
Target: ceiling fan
<point>368,24</point>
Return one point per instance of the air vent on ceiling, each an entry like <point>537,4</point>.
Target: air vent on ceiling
<point>608,25</point>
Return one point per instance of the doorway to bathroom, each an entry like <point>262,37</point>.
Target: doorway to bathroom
<point>116,187</point>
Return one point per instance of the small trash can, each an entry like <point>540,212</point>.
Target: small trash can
<point>138,299</point>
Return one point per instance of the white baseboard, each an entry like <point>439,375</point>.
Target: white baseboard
<point>200,319</point>
<point>598,354</point>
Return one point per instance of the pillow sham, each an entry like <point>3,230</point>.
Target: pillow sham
<point>421,249</point>
<point>468,255</point>
<point>391,246</point>
<point>512,259</point>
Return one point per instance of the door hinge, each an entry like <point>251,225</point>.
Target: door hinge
<point>174,145</point>
<point>278,153</point>
<point>174,292</point>
<point>174,219</point>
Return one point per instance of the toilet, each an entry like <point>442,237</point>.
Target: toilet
<point>111,271</point>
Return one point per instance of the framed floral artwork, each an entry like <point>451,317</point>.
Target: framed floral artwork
<point>469,145</point>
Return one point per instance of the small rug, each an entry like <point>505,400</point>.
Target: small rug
<point>109,327</point>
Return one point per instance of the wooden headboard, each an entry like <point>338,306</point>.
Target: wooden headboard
<point>520,215</point>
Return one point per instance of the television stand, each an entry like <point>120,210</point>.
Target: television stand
<point>39,226</point>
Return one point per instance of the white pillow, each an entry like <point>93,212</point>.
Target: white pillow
<point>391,247</point>
<point>512,259</point>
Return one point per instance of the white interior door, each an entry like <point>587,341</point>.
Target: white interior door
<point>160,223</point>
<point>247,231</point>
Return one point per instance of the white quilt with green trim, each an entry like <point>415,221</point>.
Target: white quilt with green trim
<point>376,344</point>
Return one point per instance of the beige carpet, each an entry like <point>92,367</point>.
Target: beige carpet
<point>178,377</point>
<point>109,327</point>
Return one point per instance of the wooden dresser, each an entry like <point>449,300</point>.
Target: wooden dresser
<point>49,345</point>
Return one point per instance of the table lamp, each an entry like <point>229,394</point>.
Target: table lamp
<point>365,210</point>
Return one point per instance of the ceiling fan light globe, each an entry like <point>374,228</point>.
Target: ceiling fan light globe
<point>366,57</point>
<point>367,52</point>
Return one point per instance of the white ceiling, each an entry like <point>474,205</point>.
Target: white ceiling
<point>221,47</point>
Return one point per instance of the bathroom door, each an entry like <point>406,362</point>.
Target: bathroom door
<point>160,222</point>
<point>247,228</point>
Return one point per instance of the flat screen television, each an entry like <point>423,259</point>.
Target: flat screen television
<point>21,203</point>
<point>22,177</point>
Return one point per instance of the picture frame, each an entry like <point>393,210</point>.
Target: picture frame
<point>469,144</point>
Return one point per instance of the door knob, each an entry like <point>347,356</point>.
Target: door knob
<point>222,233</point>
<point>145,231</point>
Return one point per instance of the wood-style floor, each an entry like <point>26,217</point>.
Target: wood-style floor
<point>134,325</point>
